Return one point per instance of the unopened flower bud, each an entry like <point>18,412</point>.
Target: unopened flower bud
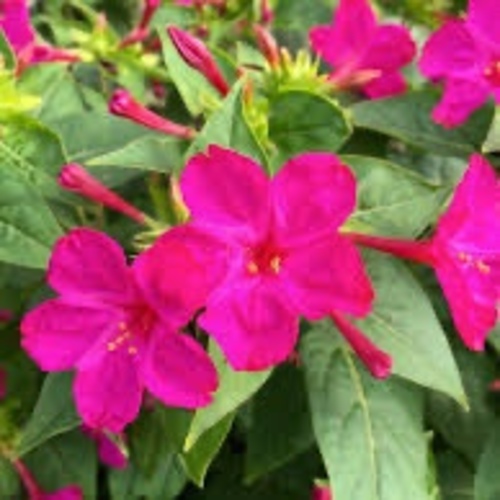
<point>267,45</point>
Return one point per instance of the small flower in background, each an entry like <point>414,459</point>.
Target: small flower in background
<point>124,105</point>
<point>140,32</point>
<point>272,250</point>
<point>15,22</point>
<point>119,328</point>
<point>464,251</point>
<point>196,54</point>
<point>363,54</point>
<point>464,54</point>
<point>321,492</point>
<point>75,178</point>
<point>3,383</point>
<point>108,450</point>
<point>35,492</point>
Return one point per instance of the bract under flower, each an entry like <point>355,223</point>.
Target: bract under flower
<point>119,329</point>
<point>272,249</point>
<point>364,55</point>
<point>464,54</point>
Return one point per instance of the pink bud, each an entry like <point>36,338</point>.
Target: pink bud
<point>378,363</point>
<point>267,45</point>
<point>123,104</point>
<point>196,54</point>
<point>46,53</point>
<point>75,178</point>
<point>3,383</point>
<point>266,13</point>
<point>140,32</point>
<point>321,492</point>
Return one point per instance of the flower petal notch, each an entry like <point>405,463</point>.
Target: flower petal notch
<point>364,55</point>
<point>463,54</point>
<point>275,250</point>
<point>464,252</point>
<point>104,326</point>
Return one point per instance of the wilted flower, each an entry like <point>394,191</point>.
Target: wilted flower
<point>364,55</point>
<point>119,327</point>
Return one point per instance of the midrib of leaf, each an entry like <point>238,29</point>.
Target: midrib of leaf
<point>363,401</point>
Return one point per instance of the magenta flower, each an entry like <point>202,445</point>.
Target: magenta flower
<point>321,492</point>
<point>119,328</point>
<point>464,251</point>
<point>464,54</point>
<point>272,250</point>
<point>364,55</point>
<point>109,452</point>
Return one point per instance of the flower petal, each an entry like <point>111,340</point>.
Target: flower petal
<point>15,22</point>
<point>225,188</point>
<point>57,334</point>
<point>460,99</point>
<point>391,48</point>
<point>313,194</point>
<point>72,492</point>
<point>90,267</point>
<point>452,51</point>
<point>387,85</point>
<point>345,41</point>
<point>327,275</point>
<point>108,392</point>
<point>253,325</point>
<point>178,371</point>
<point>483,18</point>
<point>171,279</point>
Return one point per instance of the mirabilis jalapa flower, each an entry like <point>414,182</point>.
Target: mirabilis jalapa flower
<point>274,253</point>
<point>118,326</point>
<point>464,251</point>
<point>464,54</point>
<point>364,54</point>
<point>16,24</point>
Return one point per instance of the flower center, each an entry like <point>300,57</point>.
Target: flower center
<point>264,259</point>
<point>133,329</point>
<point>471,262</point>
<point>492,73</point>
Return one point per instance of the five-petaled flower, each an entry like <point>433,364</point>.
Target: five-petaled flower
<point>119,327</point>
<point>464,251</point>
<point>272,249</point>
<point>465,55</point>
<point>364,55</point>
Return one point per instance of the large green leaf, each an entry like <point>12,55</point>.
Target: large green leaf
<point>301,121</point>
<point>234,389</point>
<point>228,127</point>
<point>274,439</point>
<point>404,324</point>
<point>456,479</point>
<point>487,481</point>
<point>53,414</point>
<point>369,432</point>
<point>408,118</point>
<point>9,482</point>
<point>392,200</point>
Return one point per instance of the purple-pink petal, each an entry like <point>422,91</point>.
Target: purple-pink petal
<point>253,324</point>
<point>178,371</point>
<point>386,85</point>
<point>71,492</point>
<point>483,18</point>
<point>89,266</point>
<point>16,24</point>
<point>108,393</point>
<point>313,194</point>
<point>57,334</point>
<point>224,188</point>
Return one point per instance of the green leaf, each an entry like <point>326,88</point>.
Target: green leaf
<point>392,200</point>
<point>404,324</point>
<point>199,457</point>
<point>492,141</point>
<point>408,118</point>
<point>53,414</point>
<point>369,432</point>
<point>301,121</point>
<point>9,482</point>
<point>146,153</point>
<point>228,127</point>
<point>7,54</point>
<point>65,460</point>
<point>235,388</point>
<point>456,480</point>
<point>487,481</point>
<point>280,424</point>
<point>196,92</point>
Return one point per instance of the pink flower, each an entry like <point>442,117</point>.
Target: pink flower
<point>196,54</point>
<point>140,31</point>
<point>464,251</point>
<point>119,328</point>
<point>321,492</point>
<point>123,104</point>
<point>75,178</point>
<point>3,383</point>
<point>464,54</point>
<point>272,250</point>
<point>108,450</point>
<point>363,54</point>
